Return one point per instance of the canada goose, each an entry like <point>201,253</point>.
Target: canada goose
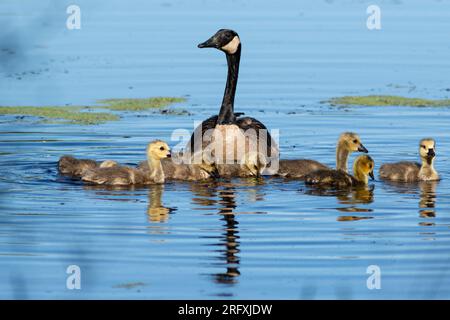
<point>121,175</point>
<point>362,168</point>
<point>411,171</point>
<point>73,167</point>
<point>227,138</point>
<point>347,143</point>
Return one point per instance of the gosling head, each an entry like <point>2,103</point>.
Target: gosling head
<point>363,168</point>
<point>158,150</point>
<point>427,150</point>
<point>225,40</point>
<point>351,142</point>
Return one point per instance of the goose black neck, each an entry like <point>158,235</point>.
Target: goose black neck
<point>226,114</point>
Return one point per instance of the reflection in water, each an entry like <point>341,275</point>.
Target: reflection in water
<point>156,211</point>
<point>229,238</point>
<point>352,198</point>
<point>427,200</point>
<point>222,194</point>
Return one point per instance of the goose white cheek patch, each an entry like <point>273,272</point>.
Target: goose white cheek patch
<point>232,46</point>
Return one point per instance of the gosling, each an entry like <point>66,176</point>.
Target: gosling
<point>75,168</point>
<point>347,143</point>
<point>362,168</point>
<point>123,176</point>
<point>405,171</point>
<point>175,169</point>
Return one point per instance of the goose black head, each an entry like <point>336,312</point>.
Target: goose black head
<point>225,40</point>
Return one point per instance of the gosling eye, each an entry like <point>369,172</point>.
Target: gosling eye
<point>161,148</point>
<point>424,147</point>
<point>355,141</point>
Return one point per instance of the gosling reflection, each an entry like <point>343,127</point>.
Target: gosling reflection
<point>229,238</point>
<point>353,200</point>
<point>427,201</point>
<point>427,197</point>
<point>156,211</point>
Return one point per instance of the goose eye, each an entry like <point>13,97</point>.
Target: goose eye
<point>355,141</point>
<point>162,148</point>
<point>424,147</point>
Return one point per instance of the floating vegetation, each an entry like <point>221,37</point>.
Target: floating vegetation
<point>380,100</point>
<point>89,115</point>
<point>139,104</point>
<point>75,115</point>
<point>130,285</point>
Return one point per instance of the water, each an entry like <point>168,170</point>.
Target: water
<point>267,238</point>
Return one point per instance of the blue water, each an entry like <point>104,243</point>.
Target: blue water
<point>267,238</point>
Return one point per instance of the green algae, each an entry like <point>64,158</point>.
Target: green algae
<point>74,115</point>
<point>90,115</point>
<point>139,104</point>
<point>385,100</point>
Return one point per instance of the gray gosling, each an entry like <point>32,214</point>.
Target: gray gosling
<point>405,171</point>
<point>362,168</point>
<point>347,143</point>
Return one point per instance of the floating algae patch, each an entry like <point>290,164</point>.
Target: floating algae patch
<point>73,115</point>
<point>90,114</point>
<point>139,104</point>
<point>375,100</point>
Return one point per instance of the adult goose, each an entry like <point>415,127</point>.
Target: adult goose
<point>228,138</point>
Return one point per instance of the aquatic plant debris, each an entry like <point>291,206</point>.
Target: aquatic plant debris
<point>386,100</point>
<point>90,115</point>
<point>130,285</point>
<point>139,104</point>
<point>74,115</point>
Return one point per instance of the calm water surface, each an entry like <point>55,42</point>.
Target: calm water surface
<point>252,238</point>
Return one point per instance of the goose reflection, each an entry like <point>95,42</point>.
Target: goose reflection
<point>427,197</point>
<point>222,194</point>
<point>156,211</point>
<point>427,202</point>
<point>230,237</point>
<point>353,200</point>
